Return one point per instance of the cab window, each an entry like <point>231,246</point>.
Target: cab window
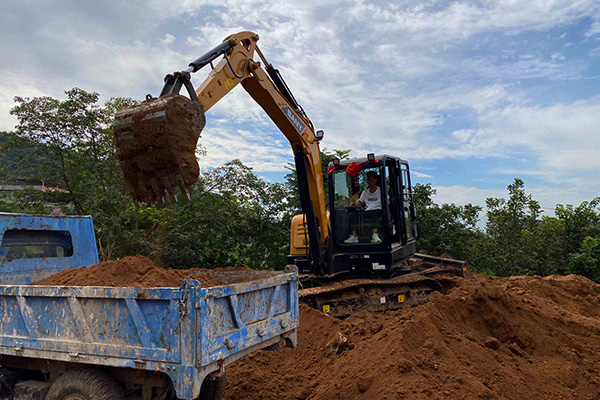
<point>24,244</point>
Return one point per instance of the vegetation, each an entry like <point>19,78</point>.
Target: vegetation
<point>236,218</point>
<point>517,239</point>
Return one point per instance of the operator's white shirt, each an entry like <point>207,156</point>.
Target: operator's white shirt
<point>372,200</point>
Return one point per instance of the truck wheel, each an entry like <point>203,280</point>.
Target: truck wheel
<point>213,387</point>
<point>85,384</point>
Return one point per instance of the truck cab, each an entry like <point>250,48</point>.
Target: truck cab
<point>33,247</point>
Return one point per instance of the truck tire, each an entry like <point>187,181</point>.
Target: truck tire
<point>85,384</point>
<point>213,387</point>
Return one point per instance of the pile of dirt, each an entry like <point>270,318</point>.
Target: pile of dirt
<point>136,271</point>
<point>488,338</point>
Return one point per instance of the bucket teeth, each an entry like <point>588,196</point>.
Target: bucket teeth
<point>170,187</point>
<point>158,190</point>
<point>183,189</point>
<point>145,192</point>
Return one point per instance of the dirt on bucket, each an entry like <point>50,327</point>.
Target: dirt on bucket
<point>156,144</point>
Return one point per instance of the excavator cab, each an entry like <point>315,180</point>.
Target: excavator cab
<point>375,235</point>
<point>378,233</point>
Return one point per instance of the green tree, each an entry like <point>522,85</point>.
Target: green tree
<point>446,229</point>
<point>238,218</point>
<point>579,222</point>
<point>24,201</point>
<point>587,262</point>
<point>21,158</point>
<point>76,133</point>
<point>511,226</point>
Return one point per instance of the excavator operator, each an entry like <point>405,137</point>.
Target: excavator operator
<point>371,196</point>
<point>371,200</point>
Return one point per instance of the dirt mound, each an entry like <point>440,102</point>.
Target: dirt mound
<point>489,338</point>
<point>136,271</point>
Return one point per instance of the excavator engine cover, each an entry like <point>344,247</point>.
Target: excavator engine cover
<point>156,145</point>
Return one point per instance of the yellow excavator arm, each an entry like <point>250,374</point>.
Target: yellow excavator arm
<point>238,66</point>
<point>156,139</point>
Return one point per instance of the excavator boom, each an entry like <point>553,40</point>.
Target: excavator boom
<point>156,140</point>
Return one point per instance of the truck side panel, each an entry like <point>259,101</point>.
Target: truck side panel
<point>237,317</point>
<point>136,324</point>
<point>185,332</point>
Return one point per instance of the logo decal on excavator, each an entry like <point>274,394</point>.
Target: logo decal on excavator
<point>297,122</point>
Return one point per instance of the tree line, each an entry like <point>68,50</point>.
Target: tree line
<point>235,218</point>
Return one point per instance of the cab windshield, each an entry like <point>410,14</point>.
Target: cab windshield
<point>357,201</point>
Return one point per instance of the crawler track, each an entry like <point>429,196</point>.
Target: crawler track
<point>408,286</point>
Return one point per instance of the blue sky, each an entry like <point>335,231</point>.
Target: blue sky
<point>472,93</point>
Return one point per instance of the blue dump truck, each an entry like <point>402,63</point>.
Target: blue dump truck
<point>117,343</point>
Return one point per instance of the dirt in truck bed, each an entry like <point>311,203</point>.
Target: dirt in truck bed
<point>487,338</point>
<point>135,271</point>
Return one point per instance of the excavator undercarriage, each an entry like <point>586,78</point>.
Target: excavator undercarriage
<point>392,291</point>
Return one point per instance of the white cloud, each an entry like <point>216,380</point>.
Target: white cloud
<point>168,39</point>
<point>461,194</point>
<point>517,172</point>
<point>595,52</point>
<point>557,56</point>
<point>455,20</point>
<point>577,159</point>
<point>420,174</point>
<point>561,136</point>
<point>547,196</point>
<point>251,147</point>
<point>525,66</point>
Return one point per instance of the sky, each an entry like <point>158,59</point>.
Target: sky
<point>471,93</point>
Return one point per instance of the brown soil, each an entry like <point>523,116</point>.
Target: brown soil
<point>159,154</point>
<point>136,271</point>
<point>488,338</point>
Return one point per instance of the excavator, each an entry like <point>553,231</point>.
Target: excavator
<point>355,250</point>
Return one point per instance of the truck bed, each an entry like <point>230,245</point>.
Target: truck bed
<point>185,332</point>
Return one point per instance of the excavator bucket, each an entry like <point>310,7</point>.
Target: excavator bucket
<point>156,145</point>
